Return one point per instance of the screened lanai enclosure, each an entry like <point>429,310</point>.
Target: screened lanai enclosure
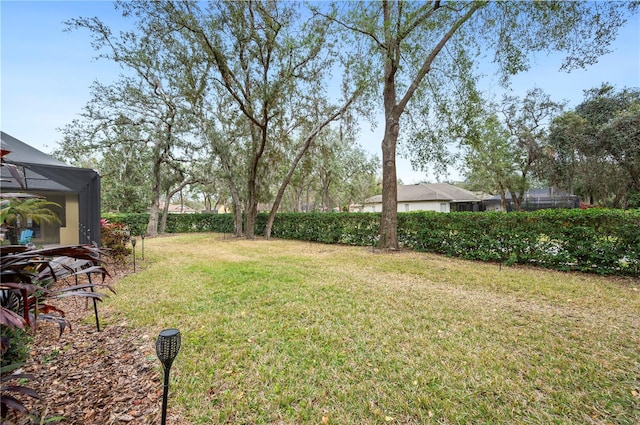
<point>75,190</point>
<point>536,199</point>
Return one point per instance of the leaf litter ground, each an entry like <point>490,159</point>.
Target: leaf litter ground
<point>89,377</point>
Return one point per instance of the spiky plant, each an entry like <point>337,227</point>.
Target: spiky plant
<point>27,278</point>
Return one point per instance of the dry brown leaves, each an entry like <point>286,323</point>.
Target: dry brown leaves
<point>89,377</point>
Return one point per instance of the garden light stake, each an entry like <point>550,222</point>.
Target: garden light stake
<point>167,347</point>
<point>133,243</point>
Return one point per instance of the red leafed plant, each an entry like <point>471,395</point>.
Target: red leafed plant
<point>27,285</point>
<point>115,238</point>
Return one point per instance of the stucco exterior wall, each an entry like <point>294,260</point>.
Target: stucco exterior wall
<point>69,232</point>
<point>438,206</point>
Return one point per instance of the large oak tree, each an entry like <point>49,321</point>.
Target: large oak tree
<point>594,149</point>
<point>423,55</point>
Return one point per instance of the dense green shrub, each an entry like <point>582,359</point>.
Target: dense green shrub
<point>206,222</point>
<point>595,240</point>
<point>136,223</point>
<point>176,223</point>
<point>331,228</point>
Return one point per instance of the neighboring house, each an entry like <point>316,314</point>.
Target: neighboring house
<point>536,199</point>
<point>440,197</point>
<point>76,190</point>
<point>218,209</point>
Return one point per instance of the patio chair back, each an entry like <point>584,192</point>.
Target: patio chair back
<point>25,236</point>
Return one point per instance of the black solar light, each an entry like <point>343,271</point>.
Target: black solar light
<point>133,243</point>
<point>142,235</point>
<point>167,347</point>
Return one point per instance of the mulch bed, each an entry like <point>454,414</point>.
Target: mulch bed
<point>89,377</point>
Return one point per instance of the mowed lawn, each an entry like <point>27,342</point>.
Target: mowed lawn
<point>286,332</point>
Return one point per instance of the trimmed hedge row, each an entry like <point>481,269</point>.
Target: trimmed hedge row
<point>596,240</point>
<point>176,223</point>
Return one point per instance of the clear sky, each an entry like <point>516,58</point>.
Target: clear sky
<point>46,72</point>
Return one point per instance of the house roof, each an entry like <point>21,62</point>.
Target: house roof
<point>23,153</point>
<point>43,173</point>
<point>429,192</point>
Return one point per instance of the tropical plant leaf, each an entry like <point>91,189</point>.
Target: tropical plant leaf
<point>21,389</point>
<point>60,321</point>
<point>11,319</point>
<point>28,287</point>
<point>9,402</point>
<point>17,195</point>
<point>94,270</point>
<point>13,376</point>
<point>12,403</point>
<point>27,280</point>
<point>81,289</point>
<point>12,249</point>
<point>48,308</point>
<point>10,367</point>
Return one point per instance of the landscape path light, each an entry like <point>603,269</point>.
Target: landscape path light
<point>167,347</point>
<point>142,235</point>
<point>133,243</point>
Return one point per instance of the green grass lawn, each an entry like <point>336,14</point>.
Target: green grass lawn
<point>292,332</point>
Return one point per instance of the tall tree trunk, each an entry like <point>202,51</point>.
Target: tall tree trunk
<point>252,214</point>
<point>165,213</point>
<point>503,197</point>
<point>237,219</point>
<point>389,218</point>
<point>393,109</point>
<point>260,142</point>
<point>517,201</point>
<point>237,209</point>
<point>235,197</point>
<point>327,204</point>
<point>154,212</point>
<point>392,112</point>
<point>298,198</point>
<point>152,226</point>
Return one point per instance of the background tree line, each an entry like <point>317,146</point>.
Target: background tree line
<point>258,103</point>
<point>591,150</point>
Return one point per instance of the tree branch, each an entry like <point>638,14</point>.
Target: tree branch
<point>419,20</point>
<point>353,28</point>
<point>225,72</point>
<point>426,66</point>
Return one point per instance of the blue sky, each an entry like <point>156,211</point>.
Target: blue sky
<point>46,72</point>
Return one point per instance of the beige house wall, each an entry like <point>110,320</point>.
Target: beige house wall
<point>438,206</point>
<point>71,229</point>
